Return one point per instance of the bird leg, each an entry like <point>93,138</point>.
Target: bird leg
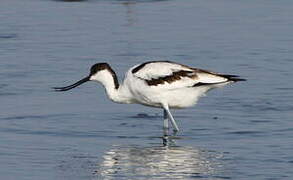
<point>165,128</point>
<point>173,122</point>
<point>166,123</point>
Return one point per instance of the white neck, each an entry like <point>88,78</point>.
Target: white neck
<point>108,81</point>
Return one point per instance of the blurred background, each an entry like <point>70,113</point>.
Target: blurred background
<point>242,131</point>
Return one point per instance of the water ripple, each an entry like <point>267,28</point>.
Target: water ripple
<point>245,132</point>
<point>144,116</point>
<point>8,36</point>
<point>47,116</point>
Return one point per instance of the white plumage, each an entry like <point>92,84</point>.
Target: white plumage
<point>161,84</point>
<point>177,94</point>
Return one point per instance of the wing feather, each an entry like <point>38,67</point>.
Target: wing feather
<point>156,69</point>
<point>170,75</point>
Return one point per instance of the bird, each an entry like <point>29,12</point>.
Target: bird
<point>160,84</point>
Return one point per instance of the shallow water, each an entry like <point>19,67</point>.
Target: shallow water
<point>242,131</point>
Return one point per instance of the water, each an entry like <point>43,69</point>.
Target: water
<point>243,131</point>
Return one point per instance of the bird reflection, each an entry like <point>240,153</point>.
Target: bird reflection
<point>158,163</point>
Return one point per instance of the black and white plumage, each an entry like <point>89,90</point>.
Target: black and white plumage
<point>161,84</point>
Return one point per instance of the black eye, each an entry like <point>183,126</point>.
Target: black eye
<point>94,69</point>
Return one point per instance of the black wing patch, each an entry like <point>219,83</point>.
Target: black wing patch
<point>175,76</point>
<point>234,78</point>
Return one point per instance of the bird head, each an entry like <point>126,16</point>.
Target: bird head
<point>98,72</point>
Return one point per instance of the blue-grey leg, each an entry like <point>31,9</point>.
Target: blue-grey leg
<point>166,121</point>
<point>173,122</point>
<point>165,128</point>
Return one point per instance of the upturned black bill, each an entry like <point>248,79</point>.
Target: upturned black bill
<point>66,88</point>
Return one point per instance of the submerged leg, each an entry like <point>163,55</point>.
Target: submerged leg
<point>166,108</point>
<point>166,123</point>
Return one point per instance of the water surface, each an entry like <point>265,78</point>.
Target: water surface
<point>242,131</point>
